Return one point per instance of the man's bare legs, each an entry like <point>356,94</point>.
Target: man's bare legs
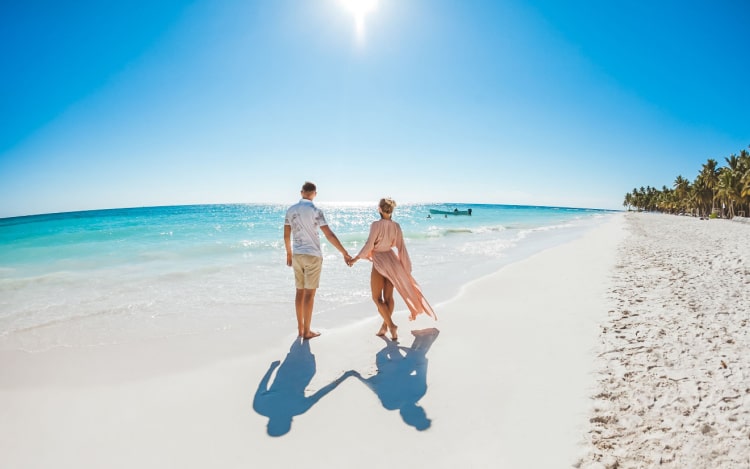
<point>382,295</point>
<point>303,305</point>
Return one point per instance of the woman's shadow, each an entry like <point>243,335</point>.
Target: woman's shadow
<point>401,378</point>
<point>285,398</point>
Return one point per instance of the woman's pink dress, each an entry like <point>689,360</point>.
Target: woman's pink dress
<point>385,235</point>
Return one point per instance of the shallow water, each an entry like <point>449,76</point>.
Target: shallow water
<point>113,276</point>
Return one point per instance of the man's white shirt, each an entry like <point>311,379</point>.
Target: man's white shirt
<point>305,219</point>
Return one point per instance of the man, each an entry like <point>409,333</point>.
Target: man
<point>302,222</point>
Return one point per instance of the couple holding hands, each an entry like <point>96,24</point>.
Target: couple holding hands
<point>390,269</point>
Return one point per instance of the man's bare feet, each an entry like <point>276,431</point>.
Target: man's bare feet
<point>394,332</point>
<point>311,335</point>
<point>383,330</point>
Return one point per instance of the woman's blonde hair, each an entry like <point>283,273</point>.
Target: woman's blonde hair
<point>387,205</point>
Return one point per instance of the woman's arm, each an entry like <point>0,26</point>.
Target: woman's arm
<point>366,250</point>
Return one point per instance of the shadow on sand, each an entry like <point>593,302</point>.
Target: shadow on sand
<point>401,378</point>
<point>400,382</point>
<point>285,398</point>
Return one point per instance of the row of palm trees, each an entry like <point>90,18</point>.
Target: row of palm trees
<point>718,191</point>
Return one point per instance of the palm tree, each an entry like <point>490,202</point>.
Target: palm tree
<point>641,197</point>
<point>628,202</point>
<point>702,196</point>
<point>744,169</point>
<point>631,198</point>
<point>728,193</point>
<point>681,189</point>
<point>745,192</point>
<point>653,197</point>
<point>694,201</point>
<point>711,179</point>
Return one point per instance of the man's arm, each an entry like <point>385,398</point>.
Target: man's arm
<point>288,244</point>
<point>331,237</point>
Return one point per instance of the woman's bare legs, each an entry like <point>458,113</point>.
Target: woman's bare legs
<point>387,300</point>
<point>390,304</point>
<point>382,295</point>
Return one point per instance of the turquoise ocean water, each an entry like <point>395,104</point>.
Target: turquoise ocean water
<point>123,275</point>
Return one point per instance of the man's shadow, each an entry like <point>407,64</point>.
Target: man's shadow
<point>401,379</point>
<point>285,398</point>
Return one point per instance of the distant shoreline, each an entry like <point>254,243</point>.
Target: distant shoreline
<point>94,211</point>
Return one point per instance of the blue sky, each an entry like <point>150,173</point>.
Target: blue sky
<point>523,102</point>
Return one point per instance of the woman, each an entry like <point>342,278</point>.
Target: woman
<point>391,269</point>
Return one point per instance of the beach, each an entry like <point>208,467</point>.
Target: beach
<point>604,351</point>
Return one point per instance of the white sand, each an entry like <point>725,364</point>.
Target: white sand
<point>503,379</point>
<point>674,365</point>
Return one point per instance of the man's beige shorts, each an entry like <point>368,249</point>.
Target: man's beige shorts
<point>307,271</point>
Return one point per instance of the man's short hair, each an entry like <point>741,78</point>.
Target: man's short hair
<point>309,187</point>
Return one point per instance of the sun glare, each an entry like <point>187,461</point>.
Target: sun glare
<point>359,9</point>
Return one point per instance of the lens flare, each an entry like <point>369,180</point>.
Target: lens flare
<point>360,9</point>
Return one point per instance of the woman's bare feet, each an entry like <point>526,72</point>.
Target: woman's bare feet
<point>394,332</point>
<point>383,330</point>
<point>311,335</point>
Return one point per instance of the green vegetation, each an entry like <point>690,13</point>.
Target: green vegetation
<point>716,192</point>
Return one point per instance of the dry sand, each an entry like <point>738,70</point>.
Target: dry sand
<point>673,366</point>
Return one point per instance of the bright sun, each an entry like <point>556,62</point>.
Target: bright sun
<point>360,9</point>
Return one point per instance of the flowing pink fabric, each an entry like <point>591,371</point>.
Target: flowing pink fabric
<point>385,235</point>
